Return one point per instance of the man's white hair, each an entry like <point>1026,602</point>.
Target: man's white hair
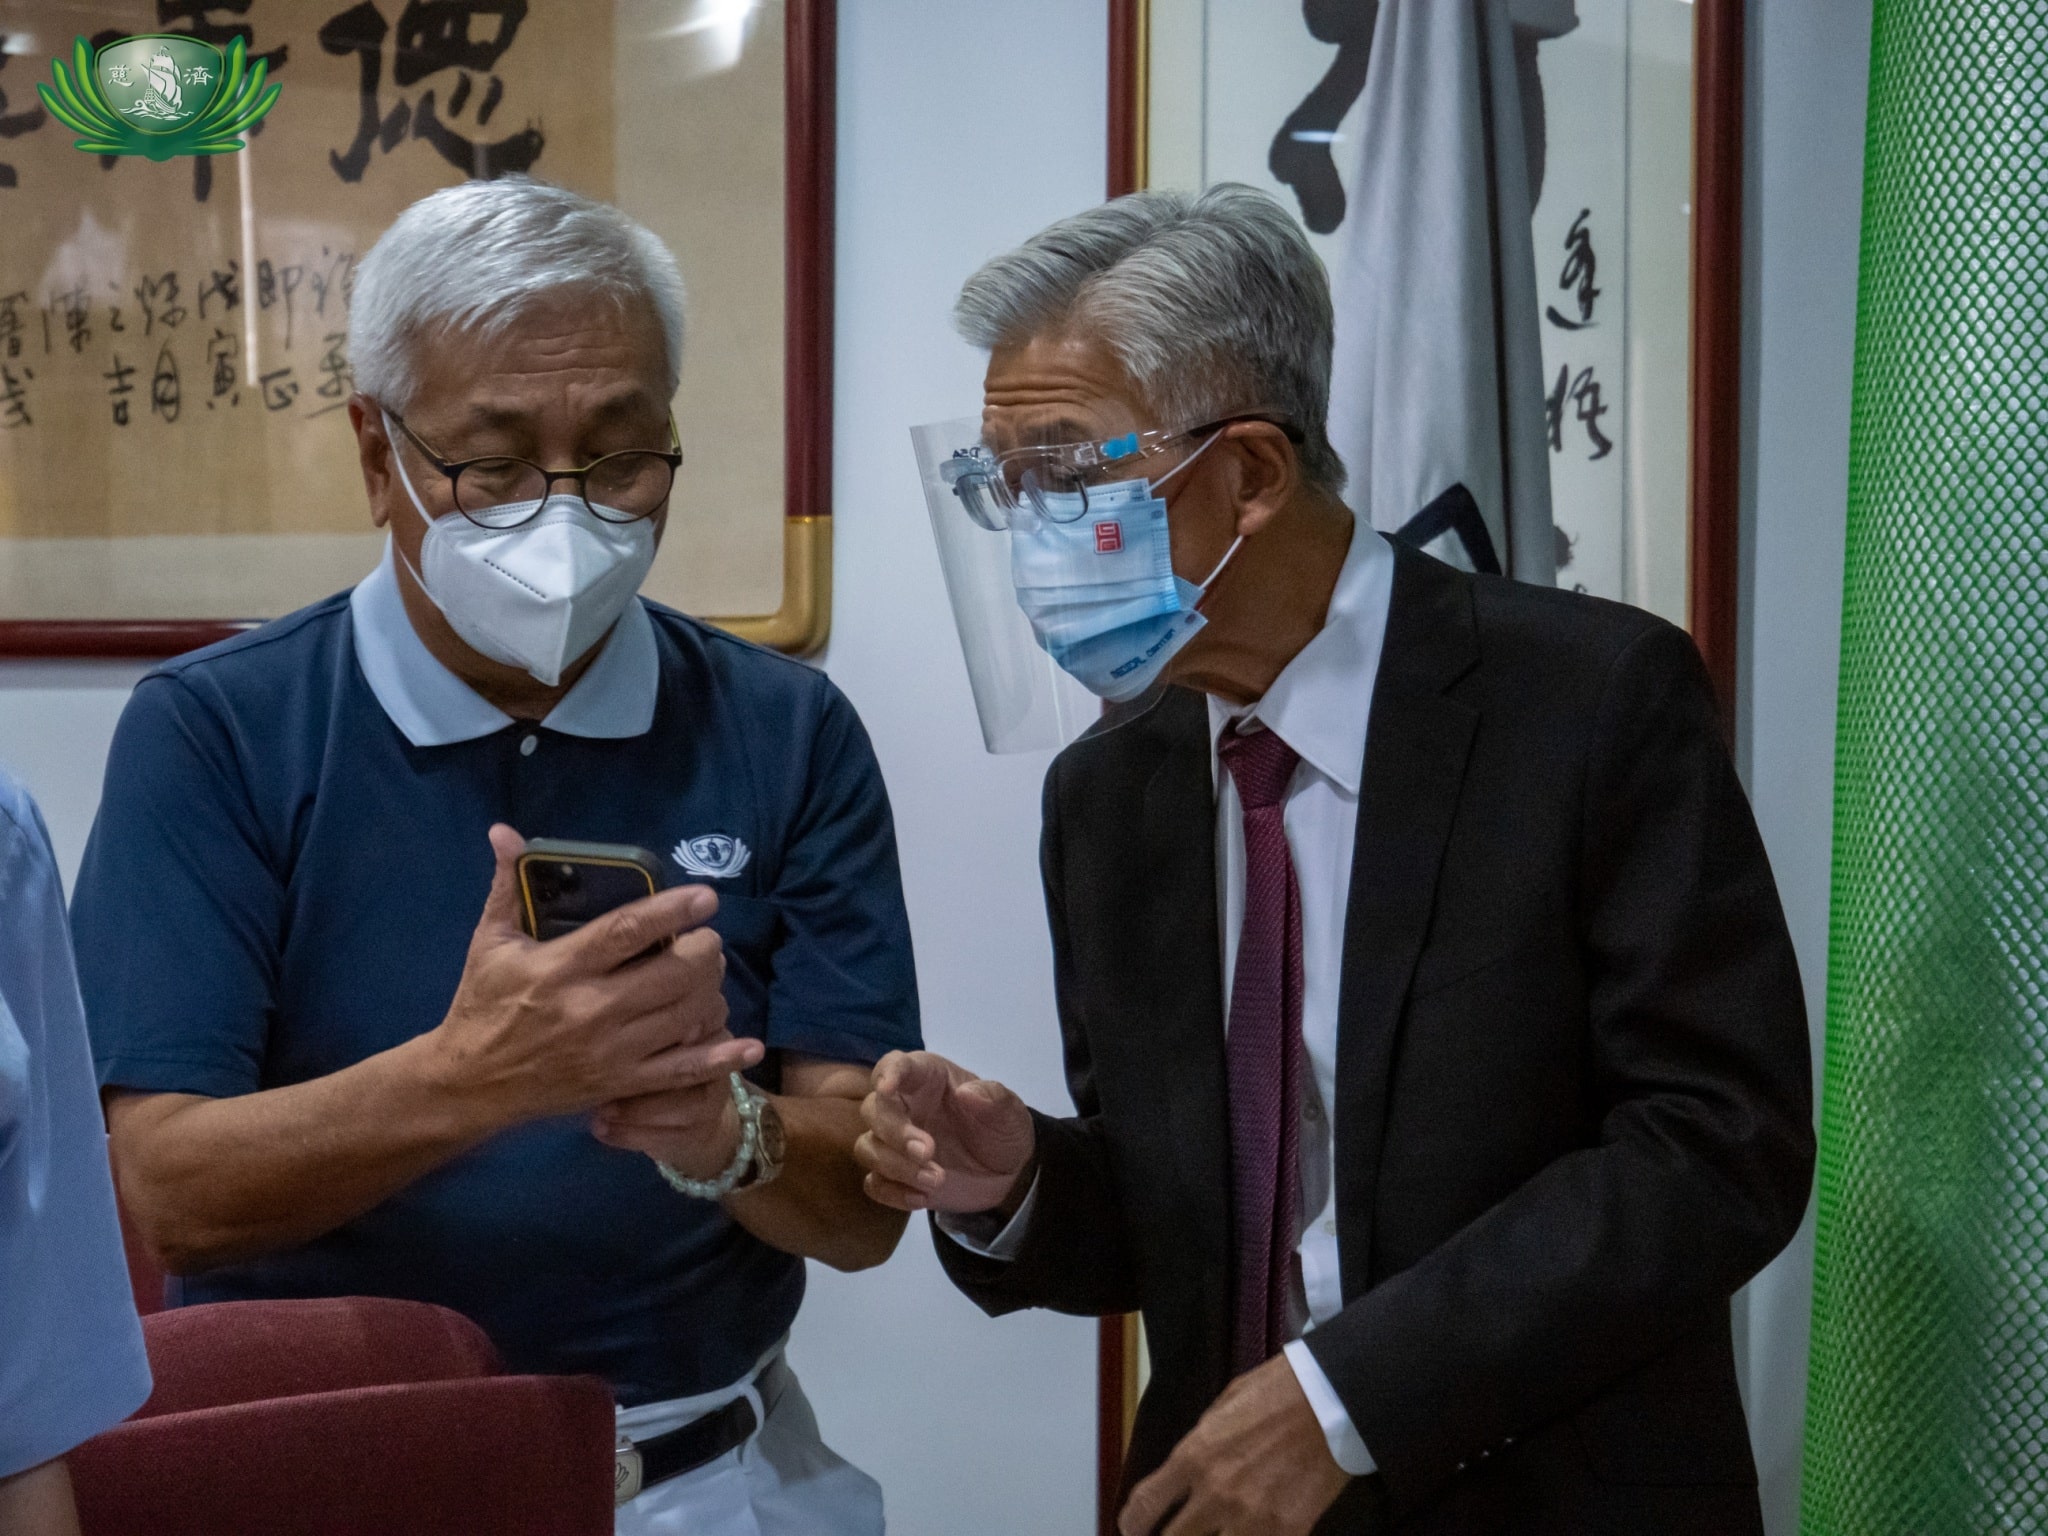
<point>473,256</point>
<point>1213,303</point>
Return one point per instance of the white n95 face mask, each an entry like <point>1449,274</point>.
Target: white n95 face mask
<point>536,596</point>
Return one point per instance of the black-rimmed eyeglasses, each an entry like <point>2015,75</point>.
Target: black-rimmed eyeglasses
<point>501,491</point>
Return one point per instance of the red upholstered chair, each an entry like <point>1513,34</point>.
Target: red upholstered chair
<point>345,1417</point>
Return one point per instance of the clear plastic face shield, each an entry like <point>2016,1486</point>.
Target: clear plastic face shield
<point>1058,564</point>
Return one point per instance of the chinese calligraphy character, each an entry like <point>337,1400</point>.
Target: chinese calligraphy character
<point>431,36</point>
<point>280,389</point>
<point>220,360</point>
<point>14,125</point>
<point>119,388</point>
<point>157,298</point>
<point>1579,266</point>
<point>1300,155</point>
<point>118,73</point>
<point>1583,392</point>
<point>11,324</point>
<point>340,378</point>
<point>13,398</point>
<point>77,312</point>
<point>164,398</point>
<point>277,285</point>
<point>1567,545</point>
<point>198,74</point>
<point>323,278</point>
<point>224,286</point>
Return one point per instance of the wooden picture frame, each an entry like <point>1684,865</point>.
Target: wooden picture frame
<point>802,621</point>
<point>1713,467</point>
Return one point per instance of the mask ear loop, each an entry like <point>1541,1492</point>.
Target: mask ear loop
<point>1235,543</point>
<point>1228,555</point>
<point>398,462</point>
<point>413,496</point>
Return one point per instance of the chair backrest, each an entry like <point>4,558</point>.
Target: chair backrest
<point>511,1455</point>
<point>249,1351</point>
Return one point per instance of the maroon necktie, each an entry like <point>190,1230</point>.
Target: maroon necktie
<point>1264,1050</point>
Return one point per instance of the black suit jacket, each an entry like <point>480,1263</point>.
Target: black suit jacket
<point>1574,1099</point>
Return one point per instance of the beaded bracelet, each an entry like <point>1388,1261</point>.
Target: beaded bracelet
<point>749,1109</point>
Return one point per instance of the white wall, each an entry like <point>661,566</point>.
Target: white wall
<point>1808,70</point>
<point>964,126</point>
<point>945,158</point>
<point>56,718</point>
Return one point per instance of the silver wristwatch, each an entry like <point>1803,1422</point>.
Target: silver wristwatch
<point>759,1157</point>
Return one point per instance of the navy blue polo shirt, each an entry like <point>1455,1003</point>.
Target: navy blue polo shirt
<point>289,861</point>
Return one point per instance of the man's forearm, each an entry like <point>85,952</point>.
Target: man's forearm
<point>211,1181</point>
<point>38,1502</point>
<point>816,1207</point>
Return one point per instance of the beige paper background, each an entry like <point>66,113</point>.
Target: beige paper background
<point>230,509</point>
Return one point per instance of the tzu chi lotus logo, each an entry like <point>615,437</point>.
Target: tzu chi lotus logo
<point>714,856</point>
<point>161,95</point>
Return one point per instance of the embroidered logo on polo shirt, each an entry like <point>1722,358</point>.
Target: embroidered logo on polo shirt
<point>714,856</point>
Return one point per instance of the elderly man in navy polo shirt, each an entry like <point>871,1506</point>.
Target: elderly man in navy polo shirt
<point>325,1074</point>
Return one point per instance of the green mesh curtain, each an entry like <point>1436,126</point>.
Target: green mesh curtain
<point>1928,1410</point>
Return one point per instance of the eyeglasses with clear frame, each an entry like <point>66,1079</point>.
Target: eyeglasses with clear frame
<point>1053,480</point>
<point>495,490</point>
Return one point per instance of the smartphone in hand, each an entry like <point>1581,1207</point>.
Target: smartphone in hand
<point>564,884</point>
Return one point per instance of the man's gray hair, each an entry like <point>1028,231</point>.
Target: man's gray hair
<point>1213,303</point>
<point>471,257</point>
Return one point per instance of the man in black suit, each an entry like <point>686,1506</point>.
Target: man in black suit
<point>1435,1038</point>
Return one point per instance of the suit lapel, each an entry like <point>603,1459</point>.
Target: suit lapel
<point>1417,745</point>
<point>1185,987</point>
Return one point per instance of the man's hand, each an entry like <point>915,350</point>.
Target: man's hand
<point>940,1138</point>
<point>562,1027</point>
<point>1255,1465</point>
<point>535,1030</point>
<point>694,1129</point>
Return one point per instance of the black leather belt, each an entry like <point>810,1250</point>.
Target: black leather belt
<point>641,1464</point>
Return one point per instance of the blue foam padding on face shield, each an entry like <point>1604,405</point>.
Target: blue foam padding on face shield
<point>1120,447</point>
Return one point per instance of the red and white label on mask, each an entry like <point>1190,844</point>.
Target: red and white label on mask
<point>1109,538</point>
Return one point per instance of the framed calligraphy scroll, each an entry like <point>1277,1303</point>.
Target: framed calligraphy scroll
<point>175,460</point>
<point>1637,229</point>
<point>1634,107</point>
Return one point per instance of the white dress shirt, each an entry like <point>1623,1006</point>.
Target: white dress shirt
<point>1319,704</point>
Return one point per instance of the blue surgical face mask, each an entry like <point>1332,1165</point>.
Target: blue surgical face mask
<point>1100,591</point>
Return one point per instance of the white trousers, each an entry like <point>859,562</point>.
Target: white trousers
<point>782,1482</point>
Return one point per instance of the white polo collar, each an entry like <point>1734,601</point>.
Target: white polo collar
<point>432,707</point>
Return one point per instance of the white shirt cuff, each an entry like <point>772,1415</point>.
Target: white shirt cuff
<point>966,1229</point>
<point>1345,1445</point>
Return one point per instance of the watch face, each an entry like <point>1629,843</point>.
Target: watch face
<point>772,1139</point>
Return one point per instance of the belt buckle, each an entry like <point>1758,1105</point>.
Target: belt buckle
<point>626,1472</point>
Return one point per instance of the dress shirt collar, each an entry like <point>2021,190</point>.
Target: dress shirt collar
<point>432,707</point>
<point>1320,701</point>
